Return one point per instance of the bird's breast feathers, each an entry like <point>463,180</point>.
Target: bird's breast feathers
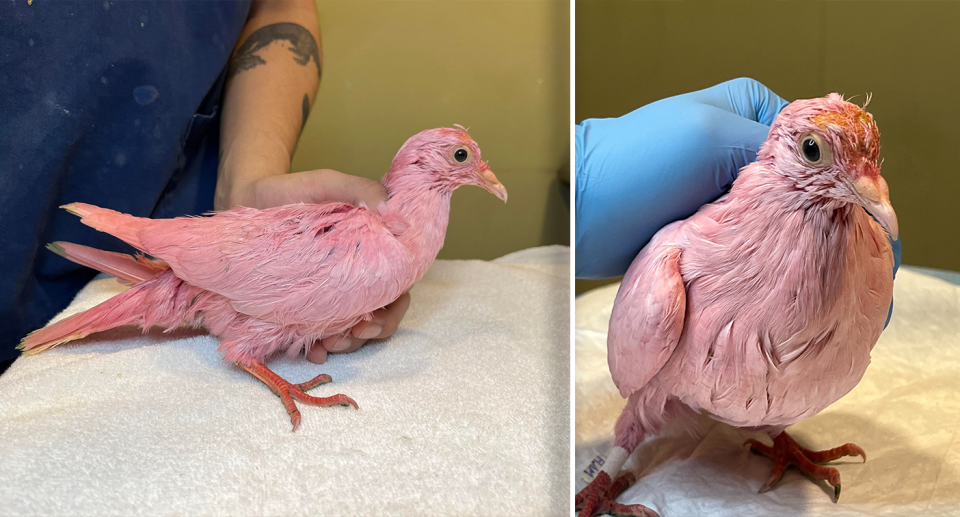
<point>779,326</point>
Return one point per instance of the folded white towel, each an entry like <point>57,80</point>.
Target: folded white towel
<point>465,411</point>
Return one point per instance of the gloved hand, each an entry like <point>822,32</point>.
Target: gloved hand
<point>662,162</point>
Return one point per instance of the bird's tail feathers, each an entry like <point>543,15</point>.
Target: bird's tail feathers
<point>128,269</point>
<point>125,308</point>
<point>121,226</point>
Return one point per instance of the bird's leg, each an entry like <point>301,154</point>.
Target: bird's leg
<point>288,391</point>
<point>599,497</point>
<point>786,451</point>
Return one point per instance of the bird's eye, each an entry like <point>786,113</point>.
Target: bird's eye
<point>811,150</point>
<point>815,150</point>
<point>460,155</point>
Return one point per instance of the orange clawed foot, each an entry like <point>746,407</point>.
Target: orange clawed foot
<point>786,451</point>
<point>598,498</point>
<point>288,391</point>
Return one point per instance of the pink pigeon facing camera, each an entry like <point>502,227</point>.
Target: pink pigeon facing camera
<point>280,279</point>
<point>761,309</point>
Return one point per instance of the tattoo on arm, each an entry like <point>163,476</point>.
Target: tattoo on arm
<point>302,45</point>
<point>306,112</point>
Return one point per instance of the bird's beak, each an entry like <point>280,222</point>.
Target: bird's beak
<point>490,183</point>
<point>875,197</point>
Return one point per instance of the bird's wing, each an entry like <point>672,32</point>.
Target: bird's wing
<point>647,318</point>
<point>289,264</point>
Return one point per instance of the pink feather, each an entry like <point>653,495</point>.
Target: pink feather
<point>128,270</point>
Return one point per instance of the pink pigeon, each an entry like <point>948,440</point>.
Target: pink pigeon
<point>761,309</point>
<point>280,279</point>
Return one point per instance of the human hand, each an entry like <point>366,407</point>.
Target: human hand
<point>661,163</point>
<point>384,324</point>
<point>321,186</point>
<point>318,186</point>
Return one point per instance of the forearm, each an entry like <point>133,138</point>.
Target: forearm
<point>272,82</point>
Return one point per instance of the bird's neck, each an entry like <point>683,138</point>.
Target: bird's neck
<point>424,207</point>
<point>760,182</point>
<point>794,232</point>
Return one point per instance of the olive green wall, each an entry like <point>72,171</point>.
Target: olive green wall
<point>394,68</point>
<point>906,53</point>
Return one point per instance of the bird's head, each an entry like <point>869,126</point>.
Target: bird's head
<point>447,158</point>
<point>830,148</point>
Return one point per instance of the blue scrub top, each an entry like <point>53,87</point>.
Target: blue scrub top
<point>113,103</point>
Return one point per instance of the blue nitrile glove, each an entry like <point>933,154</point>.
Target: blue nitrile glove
<point>660,163</point>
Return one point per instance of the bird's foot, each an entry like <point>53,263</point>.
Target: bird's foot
<point>598,498</point>
<point>288,391</point>
<point>786,451</point>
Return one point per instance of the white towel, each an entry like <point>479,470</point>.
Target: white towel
<point>905,413</point>
<point>464,411</point>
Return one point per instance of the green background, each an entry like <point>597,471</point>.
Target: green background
<point>502,69</point>
<point>907,54</point>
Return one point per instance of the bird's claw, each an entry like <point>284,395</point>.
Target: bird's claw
<point>288,392</point>
<point>599,498</point>
<point>786,452</point>
<point>615,509</point>
<point>313,383</point>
